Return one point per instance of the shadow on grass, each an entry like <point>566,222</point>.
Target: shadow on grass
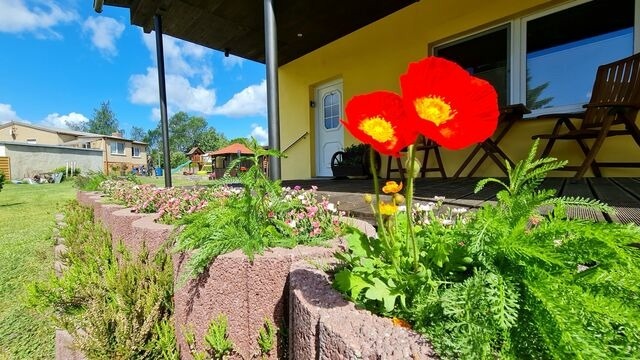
<point>11,204</point>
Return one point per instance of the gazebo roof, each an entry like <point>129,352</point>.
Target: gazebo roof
<point>237,26</point>
<point>232,150</point>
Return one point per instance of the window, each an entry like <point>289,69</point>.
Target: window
<point>135,151</point>
<point>117,148</point>
<point>548,60</point>
<point>331,110</point>
<point>485,55</point>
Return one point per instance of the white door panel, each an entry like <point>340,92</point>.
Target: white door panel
<point>329,130</point>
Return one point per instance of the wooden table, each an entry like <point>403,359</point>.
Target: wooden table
<point>508,116</point>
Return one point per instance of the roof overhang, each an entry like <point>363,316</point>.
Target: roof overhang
<point>237,26</point>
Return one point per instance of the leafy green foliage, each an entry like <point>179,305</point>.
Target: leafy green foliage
<point>92,180</point>
<point>64,170</point>
<point>185,132</point>
<point>507,281</point>
<point>267,338</point>
<point>103,121</point>
<point>216,339</point>
<point>115,305</point>
<point>2,179</point>
<point>261,215</point>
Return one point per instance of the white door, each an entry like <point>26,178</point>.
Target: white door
<point>329,130</point>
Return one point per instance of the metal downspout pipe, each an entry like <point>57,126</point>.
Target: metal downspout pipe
<point>271,61</point>
<point>164,121</point>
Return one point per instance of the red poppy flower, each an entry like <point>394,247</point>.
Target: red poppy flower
<point>378,119</point>
<point>447,104</point>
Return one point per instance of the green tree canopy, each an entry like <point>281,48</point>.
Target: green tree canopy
<point>185,132</point>
<point>104,121</point>
<point>137,133</point>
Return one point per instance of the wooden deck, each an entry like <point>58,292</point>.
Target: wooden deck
<point>621,193</point>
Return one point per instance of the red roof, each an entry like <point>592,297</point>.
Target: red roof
<point>232,150</point>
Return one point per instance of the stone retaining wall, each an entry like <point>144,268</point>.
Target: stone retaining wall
<point>250,292</point>
<point>322,325</point>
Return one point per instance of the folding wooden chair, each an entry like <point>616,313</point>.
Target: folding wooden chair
<point>612,110</point>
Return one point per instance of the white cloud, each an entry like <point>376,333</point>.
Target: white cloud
<point>250,101</point>
<point>230,61</point>
<point>104,33</point>
<point>181,96</point>
<point>260,134</point>
<point>8,114</point>
<point>180,57</point>
<point>16,17</point>
<point>62,121</point>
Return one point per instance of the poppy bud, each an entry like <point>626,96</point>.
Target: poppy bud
<point>398,199</point>
<point>416,167</point>
<point>367,198</point>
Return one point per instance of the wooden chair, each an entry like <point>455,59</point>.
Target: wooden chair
<point>611,111</point>
<point>424,145</point>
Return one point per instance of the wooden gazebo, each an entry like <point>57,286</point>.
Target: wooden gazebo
<point>221,158</point>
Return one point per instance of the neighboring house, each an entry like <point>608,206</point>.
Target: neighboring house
<point>543,53</point>
<point>116,152</point>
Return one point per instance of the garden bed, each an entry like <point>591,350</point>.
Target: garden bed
<point>247,293</point>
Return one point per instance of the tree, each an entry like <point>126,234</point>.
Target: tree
<point>211,140</point>
<point>103,122</point>
<point>137,133</point>
<point>185,132</point>
<point>533,94</point>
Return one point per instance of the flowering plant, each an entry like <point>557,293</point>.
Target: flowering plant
<point>504,281</point>
<point>262,215</point>
<point>171,203</point>
<point>440,101</point>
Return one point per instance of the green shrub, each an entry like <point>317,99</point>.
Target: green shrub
<point>261,215</point>
<point>90,181</point>
<point>116,306</point>
<point>64,170</point>
<point>218,345</point>
<point>506,281</point>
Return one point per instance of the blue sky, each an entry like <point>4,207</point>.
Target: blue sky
<point>59,60</point>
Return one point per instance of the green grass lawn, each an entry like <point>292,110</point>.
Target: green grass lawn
<point>26,254</point>
<point>186,180</point>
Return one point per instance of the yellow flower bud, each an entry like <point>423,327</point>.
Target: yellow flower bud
<point>367,198</point>
<point>398,199</point>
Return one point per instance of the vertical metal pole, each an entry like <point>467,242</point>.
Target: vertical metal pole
<point>271,60</point>
<point>164,121</point>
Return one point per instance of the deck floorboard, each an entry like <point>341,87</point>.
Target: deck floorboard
<point>623,194</point>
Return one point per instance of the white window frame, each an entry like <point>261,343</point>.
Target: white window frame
<point>111,148</point>
<point>133,151</point>
<point>517,30</point>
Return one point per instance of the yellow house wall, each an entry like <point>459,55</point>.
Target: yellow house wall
<point>23,133</point>
<point>372,59</point>
<point>114,160</point>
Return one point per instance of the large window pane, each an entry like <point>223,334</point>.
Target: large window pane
<point>485,55</point>
<point>565,48</point>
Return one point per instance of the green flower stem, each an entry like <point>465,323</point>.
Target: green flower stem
<point>376,208</point>
<point>409,201</point>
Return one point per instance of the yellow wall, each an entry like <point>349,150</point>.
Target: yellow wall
<point>373,58</point>
<point>23,133</point>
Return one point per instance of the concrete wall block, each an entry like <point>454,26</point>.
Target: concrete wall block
<point>340,331</point>
<point>221,289</point>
